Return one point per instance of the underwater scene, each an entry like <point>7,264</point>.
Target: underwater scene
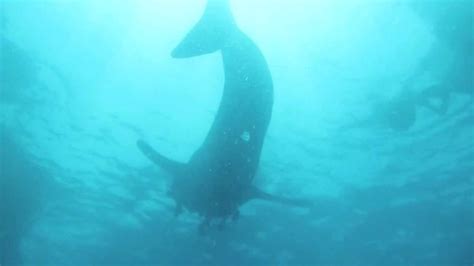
<point>236,132</point>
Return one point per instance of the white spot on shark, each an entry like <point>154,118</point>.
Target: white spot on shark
<point>245,136</point>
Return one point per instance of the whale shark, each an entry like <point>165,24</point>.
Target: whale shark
<point>218,178</point>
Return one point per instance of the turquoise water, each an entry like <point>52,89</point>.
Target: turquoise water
<point>372,122</point>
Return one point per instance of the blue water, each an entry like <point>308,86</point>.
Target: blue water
<point>372,122</point>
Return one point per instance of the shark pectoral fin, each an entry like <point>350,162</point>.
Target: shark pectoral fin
<point>169,165</point>
<point>256,193</point>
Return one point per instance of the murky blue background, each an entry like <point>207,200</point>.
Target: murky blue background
<point>86,79</point>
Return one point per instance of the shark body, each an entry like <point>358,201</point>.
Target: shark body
<point>218,178</point>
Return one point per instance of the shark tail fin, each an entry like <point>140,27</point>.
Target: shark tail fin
<point>256,193</point>
<point>210,33</point>
<point>175,168</point>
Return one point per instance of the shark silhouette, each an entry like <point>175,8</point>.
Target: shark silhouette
<point>217,179</point>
